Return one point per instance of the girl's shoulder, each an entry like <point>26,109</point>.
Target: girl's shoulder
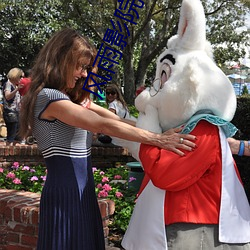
<point>52,94</point>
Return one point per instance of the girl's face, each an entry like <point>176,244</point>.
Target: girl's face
<point>111,95</point>
<point>81,71</point>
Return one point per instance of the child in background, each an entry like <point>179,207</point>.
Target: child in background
<point>25,81</point>
<point>116,102</point>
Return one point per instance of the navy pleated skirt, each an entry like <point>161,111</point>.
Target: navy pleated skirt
<point>69,213</point>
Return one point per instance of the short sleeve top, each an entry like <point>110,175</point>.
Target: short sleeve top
<point>56,137</point>
<point>14,103</point>
<point>118,107</point>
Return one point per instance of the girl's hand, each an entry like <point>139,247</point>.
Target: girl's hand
<point>175,142</point>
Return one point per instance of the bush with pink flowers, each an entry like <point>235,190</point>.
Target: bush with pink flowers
<point>112,183</point>
<point>21,177</point>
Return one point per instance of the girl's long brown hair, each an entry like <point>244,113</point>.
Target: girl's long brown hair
<point>54,68</point>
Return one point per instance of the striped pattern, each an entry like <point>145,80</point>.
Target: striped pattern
<point>69,213</point>
<point>62,151</point>
<point>56,137</point>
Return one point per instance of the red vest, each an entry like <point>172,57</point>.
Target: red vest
<point>192,182</point>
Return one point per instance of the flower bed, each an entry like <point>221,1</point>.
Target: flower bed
<point>111,184</point>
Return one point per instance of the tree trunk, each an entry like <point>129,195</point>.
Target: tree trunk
<point>129,78</point>
<point>141,73</point>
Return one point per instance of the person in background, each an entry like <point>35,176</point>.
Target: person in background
<point>239,147</point>
<point>25,82</point>
<point>1,100</point>
<point>69,214</point>
<point>139,90</point>
<point>116,102</point>
<point>11,104</point>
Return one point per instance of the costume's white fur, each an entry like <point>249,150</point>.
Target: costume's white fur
<point>187,81</point>
<point>195,82</point>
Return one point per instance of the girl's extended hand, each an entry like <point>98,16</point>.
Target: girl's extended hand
<point>173,141</point>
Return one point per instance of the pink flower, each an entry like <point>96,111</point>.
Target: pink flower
<point>131,179</point>
<point>34,178</point>
<point>99,185</point>
<point>43,178</point>
<point>15,165</point>
<point>117,177</point>
<point>1,170</point>
<point>102,173</point>
<point>118,194</point>
<point>32,170</point>
<point>107,187</point>
<point>26,168</point>
<point>11,175</point>
<point>17,181</point>
<point>94,170</point>
<point>105,179</point>
<point>102,193</point>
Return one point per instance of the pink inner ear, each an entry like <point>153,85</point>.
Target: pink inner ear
<point>184,28</point>
<point>164,78</point>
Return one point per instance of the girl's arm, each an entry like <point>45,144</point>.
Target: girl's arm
<point>98,120</point>
<point>106,113</point>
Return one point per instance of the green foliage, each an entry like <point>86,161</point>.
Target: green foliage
<point>24,178</point>
<point>242,121</point>
<point>244,90</point>
<point>113,184</point>
<point>24,28</point>
<point>110,184</point>
<point>27,24</point>
<point>133,111</point>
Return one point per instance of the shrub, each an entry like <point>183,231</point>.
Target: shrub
<point>111,184</point>
<point>20,177</point>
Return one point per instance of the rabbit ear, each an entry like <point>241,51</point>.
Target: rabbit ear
<point>192,25</point>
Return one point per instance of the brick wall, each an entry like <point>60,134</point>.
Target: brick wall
<point>19,217</point>
<point>102,155</point>
<point>19,211</point>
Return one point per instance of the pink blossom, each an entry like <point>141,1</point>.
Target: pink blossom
<point>99,185</point>
<point>34,178</point>
<point>102,193</point>
<point>15,165</point>
<point>102,173</point>
<point>17,181</point>
<point>118,194</point>
<point>43,178</point>
<point>94,170</point>
<point>107,187</point>
<point>26,168</point>
<point>11,175</point>
<point>105,179</point>
<point>131,179</point>
<point>32,170</point>
<point>1,170</point>
<point>117,177</point>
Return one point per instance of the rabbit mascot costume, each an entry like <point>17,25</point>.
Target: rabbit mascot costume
<point>196,201</point>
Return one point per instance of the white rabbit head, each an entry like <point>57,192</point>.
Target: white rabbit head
<point>187,79</point>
